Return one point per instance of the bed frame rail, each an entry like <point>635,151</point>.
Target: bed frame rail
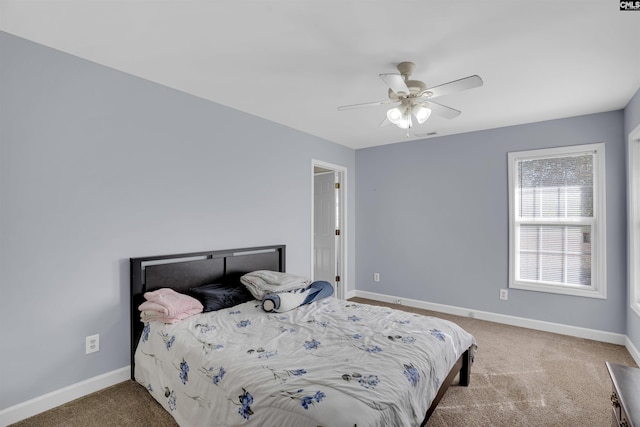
<point>463,367</point>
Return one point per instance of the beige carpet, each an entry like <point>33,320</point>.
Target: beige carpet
<point>521,377</point>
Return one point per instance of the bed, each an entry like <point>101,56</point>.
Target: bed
<point>328,363</point>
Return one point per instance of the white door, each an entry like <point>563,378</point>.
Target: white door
<point>325,226</point>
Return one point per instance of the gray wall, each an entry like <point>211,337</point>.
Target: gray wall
<point>631,121</point>
<point>97,166</point>
<point>432,219</point>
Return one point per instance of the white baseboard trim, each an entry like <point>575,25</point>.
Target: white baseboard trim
<point>540,325</point>
<point>34,406</point>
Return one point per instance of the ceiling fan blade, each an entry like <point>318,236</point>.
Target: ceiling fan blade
<point>442,110</point>
<point>366,104</point>
<point>456,86</point>
<point>396,83</point>
<point>384,123</point>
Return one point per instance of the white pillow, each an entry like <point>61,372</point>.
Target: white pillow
<point>262,282</point>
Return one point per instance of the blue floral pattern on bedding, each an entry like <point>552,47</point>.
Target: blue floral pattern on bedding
<point>327,363</point>
<point>245,404</point>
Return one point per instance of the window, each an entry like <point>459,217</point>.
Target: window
<point>634,219</point>
<point>557,221</point>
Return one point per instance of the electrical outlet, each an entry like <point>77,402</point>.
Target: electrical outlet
<point>504,294</point>
<point>92,343</point>
<point>376,277</point>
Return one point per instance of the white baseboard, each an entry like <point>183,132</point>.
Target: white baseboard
<point>59,397</point>
<point>557,328</point>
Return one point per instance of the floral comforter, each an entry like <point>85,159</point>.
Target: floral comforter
<point>329,363</point>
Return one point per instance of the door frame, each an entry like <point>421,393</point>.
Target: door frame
<point>341,255</point>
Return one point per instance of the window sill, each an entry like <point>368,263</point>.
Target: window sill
<point>564,290</point>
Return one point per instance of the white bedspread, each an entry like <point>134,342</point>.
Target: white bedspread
<point>328,363</point>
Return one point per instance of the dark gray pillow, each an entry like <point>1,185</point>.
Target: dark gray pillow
<point>217,296</point>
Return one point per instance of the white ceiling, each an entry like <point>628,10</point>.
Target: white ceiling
<point>295,61</point>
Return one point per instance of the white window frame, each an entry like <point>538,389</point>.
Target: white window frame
<point>598,287</point>
<point>633,207</point>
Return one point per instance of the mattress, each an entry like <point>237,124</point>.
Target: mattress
<point>329,363</point>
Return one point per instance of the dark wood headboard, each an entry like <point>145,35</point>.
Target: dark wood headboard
<point>184,271</point>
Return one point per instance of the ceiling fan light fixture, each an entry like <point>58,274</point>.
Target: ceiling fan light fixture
<point>400,116</point>
<point>421,112</point>
<point>405,121</point>
<point>394,115</point>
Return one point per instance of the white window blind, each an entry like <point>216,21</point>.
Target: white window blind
<point>553,217</point>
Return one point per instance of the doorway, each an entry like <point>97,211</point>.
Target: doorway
<point>328,237</point>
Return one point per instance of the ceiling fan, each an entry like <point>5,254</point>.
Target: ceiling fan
<point>413,98</point>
